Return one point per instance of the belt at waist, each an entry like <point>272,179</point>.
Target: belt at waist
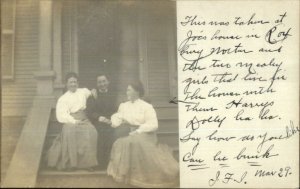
<point>133,128</point>
<point>80,115</point>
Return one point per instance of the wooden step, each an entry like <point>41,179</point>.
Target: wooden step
<point>163,112</point>
<point>77,179</point>
<point>48,172</point>
<point>80,178</point>
<point>169,138</point>
<point>35,128</point>
<point>176,153</point>
<point>10,132</point>
<point>167,134</point>
<point>166,125</point>
<point>166,113</point>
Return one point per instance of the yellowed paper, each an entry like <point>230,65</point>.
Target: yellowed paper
<point>238,70</point>
<point>233,74</point>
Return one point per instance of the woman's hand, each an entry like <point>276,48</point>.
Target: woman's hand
<point>104,120</point>
<point>133,133</point>
<point>79,122</point>
<point>125,121</point>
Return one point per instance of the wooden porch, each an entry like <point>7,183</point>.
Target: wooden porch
<point>143,45</point>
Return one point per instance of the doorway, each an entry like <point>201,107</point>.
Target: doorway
<point>128,40</point>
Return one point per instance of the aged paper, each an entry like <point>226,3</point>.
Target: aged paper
<point>238,90</point>
<point>238,78</point>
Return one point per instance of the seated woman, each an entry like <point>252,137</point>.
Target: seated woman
<point>137,158</point>
<point>76,146</point>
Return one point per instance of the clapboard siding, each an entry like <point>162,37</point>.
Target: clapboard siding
<point>17,94</point>
<point>157,27</point>
<point>158,65</point>
<point>118,43</point>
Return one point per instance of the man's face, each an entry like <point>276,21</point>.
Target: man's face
<point>102,83</point>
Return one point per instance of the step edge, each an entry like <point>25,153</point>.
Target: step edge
<point>75,173</point>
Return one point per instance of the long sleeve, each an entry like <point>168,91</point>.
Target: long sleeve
<point>87,93</point>
<point>151,123</point>
<point>63,113</point>
<point>116,118</point>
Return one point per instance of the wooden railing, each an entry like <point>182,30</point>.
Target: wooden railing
<point>24,166</point>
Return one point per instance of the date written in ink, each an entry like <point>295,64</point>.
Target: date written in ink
<point>281,172</point>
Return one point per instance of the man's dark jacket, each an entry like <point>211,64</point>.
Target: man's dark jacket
<point>104,105</point>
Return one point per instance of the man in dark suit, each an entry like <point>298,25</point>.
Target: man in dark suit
<point>100,107</point>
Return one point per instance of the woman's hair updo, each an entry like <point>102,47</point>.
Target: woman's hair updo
<point>137,86</point>
<point>71,74</point>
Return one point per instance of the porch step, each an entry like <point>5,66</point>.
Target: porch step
<point>77,179</point>
<point>10,132</point>
<point>166,125</point>
<point>167,134</point>
<point>166,111</point>
<point>29,152</point>
<point>163,112</point>
<point>169,138</point>
<point>46,172</point>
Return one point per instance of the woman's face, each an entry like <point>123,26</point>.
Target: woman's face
<point>131,93</point>
<point>72,84</point>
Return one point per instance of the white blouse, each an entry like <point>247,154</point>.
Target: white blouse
<point>71,102</point>
<point>139,113</point>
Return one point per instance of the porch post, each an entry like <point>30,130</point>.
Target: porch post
<point>45,74</point>
<point>74,37</point>
<point>142,47</point>
<point>57,47</point>
<point>128,43</point>
<point>24,166</point>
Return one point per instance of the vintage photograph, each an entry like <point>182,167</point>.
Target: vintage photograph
<point>86,92</point>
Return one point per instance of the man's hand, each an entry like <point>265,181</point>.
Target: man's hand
<point>94,93</point>
<point>107,121</point>
<point>102,119</point>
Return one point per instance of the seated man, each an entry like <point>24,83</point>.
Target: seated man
<point>99,111</point>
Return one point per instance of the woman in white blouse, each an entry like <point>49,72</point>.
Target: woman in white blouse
<point>76,146</point>
<point>137,158</point>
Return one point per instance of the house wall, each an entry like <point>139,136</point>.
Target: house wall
<point>18,93</point>
<point>139,42</point>
<point>158,30</point>
<point>129,40</point>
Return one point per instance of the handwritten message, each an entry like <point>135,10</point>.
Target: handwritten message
<point>238,75</point>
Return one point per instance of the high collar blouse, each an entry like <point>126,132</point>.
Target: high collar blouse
<point>138,113</point>
<point>71,102</point>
